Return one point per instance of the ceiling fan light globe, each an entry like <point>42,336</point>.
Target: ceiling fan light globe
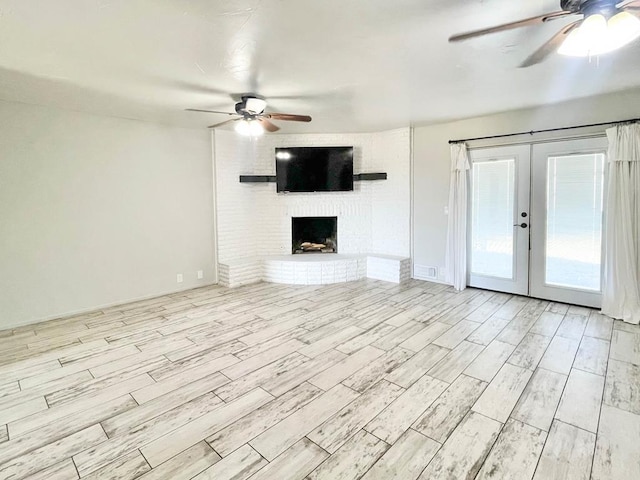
<point>242,127</point>
<point>249,128</point>
<point>623,28</point>
<point>590,38</point>
<point>574,45</point>
<point>594,33</point>
<point>597,36</point>
<point>255,129</point>
<point>594,26</point>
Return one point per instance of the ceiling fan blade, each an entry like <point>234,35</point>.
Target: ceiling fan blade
<point>208,111</point>
<point>551,46</point>
<point>509,26</point>
<point>268,125</point>
<point>289,117</point>
<point>223,123</point>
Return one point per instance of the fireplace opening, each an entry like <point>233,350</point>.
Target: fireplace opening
<point>314,235</point>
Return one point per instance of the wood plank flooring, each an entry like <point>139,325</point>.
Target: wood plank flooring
<point>363,380</point>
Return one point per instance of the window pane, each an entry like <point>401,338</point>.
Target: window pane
<point>574,220</point>
<point>492,218</point>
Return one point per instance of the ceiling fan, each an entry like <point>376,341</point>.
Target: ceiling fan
<point>606,25</point>
<point>251,117</point>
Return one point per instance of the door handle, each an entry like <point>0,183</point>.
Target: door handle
<point>521,225</point>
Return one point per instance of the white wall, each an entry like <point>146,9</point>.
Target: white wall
<point>97,211</point>
<point>255,220</point>
<point>432,161</point>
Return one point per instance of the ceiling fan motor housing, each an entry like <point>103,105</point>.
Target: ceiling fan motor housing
<point>589,7</point>
<point>571,5</point>
<point>251,106</point>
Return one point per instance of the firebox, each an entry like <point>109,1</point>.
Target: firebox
<point>314,235</point>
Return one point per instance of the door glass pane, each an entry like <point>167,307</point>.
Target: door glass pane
<point>574,220</point>
<point>493,190</point>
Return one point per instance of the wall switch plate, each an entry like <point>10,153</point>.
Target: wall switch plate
<point>179,278</point>
<point>200,274</point>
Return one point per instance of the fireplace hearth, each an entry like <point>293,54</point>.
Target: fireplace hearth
<point>314,235</point>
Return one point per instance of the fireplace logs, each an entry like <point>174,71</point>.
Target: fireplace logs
<point>307,246</point>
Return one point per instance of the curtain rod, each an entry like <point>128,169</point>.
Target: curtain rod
<point>531,132</point>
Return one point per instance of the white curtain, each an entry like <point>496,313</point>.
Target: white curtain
<point>621,285</point>
<point>456,259</point>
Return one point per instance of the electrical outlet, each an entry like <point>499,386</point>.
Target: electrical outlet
<point>200,274</point>
<point>179,278</point>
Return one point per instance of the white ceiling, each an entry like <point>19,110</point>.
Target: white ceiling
<point>353,65</point>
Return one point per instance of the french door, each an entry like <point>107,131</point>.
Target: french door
<point>536,220</point>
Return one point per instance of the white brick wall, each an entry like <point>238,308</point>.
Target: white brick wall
<point>255,220</point>
<point>391,199</point>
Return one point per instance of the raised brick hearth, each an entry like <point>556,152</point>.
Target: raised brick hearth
<point>314,269</point>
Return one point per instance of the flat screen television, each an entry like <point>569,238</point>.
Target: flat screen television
<point>314,169</point>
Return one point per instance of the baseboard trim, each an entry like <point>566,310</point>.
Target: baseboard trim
<point>432,280</point>
<point>100,307</point>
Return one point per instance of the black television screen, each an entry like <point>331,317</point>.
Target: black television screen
<point>314,169</point>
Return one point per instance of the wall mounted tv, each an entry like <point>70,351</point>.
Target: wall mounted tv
<point>314,169</point>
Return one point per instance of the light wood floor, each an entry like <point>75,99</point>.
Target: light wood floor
<point>359,380</point>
